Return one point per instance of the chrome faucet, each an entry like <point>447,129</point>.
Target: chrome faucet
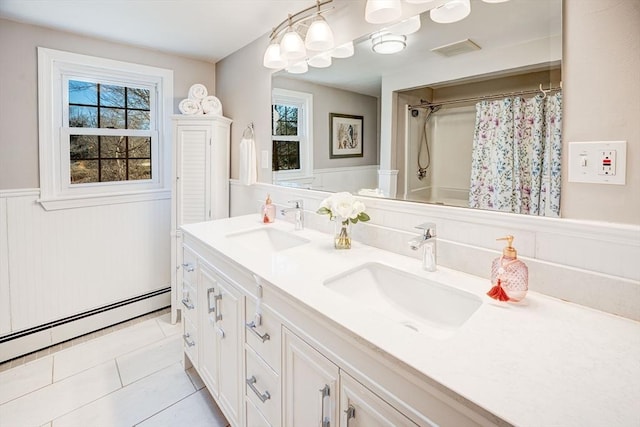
<point>298,210</point>
<point>426,241</point>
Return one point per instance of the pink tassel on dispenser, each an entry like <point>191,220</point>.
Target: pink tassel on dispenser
<point>498,293</point>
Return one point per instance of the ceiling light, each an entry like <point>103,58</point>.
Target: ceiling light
<point>272,57</point>
<point>387,43</point>
<point>322,60</point>
<point>319,35</point>
<point>343,51</point>
<point>406,27</point>
<point>382,11</point>
<point>298,68</point>
<point>451,11</point>
<point>292,46</point>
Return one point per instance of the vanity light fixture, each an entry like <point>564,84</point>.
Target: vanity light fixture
<point>451,11</point>
<point>300,67</point>
<point>321,60</point>
<point>343,51</point>
<point>386,43</point>
<point>382,11</point>
<point>406,27</point>
<point>493,1</point>
<point>288,49</point>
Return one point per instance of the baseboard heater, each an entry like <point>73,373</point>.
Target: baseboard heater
<point>96,311</point>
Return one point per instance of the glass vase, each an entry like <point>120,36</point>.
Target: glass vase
<point>342,237</point>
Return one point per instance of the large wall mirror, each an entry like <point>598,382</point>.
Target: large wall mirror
<point>467,114</point>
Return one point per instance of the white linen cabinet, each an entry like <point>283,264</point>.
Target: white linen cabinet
<point>200,182</point>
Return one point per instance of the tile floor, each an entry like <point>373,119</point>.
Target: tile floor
<point>127,375</point>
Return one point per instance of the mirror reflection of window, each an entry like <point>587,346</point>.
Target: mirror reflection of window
<point>286,151</point>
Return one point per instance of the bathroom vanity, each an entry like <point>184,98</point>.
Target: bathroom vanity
<point>287,331</point>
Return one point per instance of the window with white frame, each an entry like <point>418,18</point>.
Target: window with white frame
<point>103,133</point>
<point>292,141</point>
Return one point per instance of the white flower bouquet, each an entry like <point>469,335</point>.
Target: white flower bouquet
<point>345,210</point>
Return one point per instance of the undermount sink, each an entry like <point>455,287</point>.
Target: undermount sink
<point>415,302</point>
<point>267,239</point>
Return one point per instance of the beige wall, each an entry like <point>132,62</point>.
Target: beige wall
<point>601,95</point>
<point>330,100</point>
<point>18,89</point>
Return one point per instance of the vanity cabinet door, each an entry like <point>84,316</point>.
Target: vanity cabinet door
<point>360,407</point>
<point>228,323</point>
<point>209,341</point>
<point>311,393</point>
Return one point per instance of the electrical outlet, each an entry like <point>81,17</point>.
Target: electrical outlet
<point>607,163</point>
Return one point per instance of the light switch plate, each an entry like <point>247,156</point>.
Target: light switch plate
<point>598,162</point>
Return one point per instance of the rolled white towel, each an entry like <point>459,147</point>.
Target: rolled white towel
<point>248,163</point>
<point>190,107</point>
<point>197,91</point>
<point>211,105</point>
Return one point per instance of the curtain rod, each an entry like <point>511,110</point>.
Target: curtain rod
<point>544,92</point>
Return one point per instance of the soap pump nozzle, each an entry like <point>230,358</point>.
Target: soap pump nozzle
<point>509,251</point>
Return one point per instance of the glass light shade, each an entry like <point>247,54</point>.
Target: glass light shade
<point>343,51</point>
<point>408,26</point>
<point>382,11</point>
<point>322,60</point>
<point>272,58</point>
<point>298,67</point>
<point>419,1</point>
<point>493,1</point>
<point>387,44</point>
<point>451,11</point>
<point>292,46</point>
<point>319,36</point>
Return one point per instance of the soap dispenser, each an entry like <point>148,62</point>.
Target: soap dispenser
<point>509,275</point>
<point>268,211</point>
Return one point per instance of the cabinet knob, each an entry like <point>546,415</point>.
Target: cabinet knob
<point>220,333</point>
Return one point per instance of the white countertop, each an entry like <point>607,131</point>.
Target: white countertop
<point>541,362</point>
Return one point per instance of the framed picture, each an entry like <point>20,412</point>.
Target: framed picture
<point>345,132</point>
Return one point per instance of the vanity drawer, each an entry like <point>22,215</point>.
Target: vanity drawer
<point>253,416</point>
<point>189,266</point>
<point>190,339</point>
<point>262,387</point>
<point>264,338</point>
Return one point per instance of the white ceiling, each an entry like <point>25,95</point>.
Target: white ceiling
<point>203,29</point>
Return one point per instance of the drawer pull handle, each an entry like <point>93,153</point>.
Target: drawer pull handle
<point>325,393</point>
<point>262,396</point>
<point>188,267</point>
<point>188,304</point>
<point>189,342</point>
<point>351,413</point>
<point>216,308</point>
<point>252,327</point>
<point>209,308</point>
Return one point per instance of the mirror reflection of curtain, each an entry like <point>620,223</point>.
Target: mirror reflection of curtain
<point>516,158</point>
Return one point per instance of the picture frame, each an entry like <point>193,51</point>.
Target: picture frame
<point>346,136</point>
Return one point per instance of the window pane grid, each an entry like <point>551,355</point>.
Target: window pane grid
<point>286,155</point>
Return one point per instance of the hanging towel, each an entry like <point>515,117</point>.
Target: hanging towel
<point>248,165</point>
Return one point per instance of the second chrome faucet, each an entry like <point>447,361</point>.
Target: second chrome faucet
<point>298,209</point>
<point>426,241</point>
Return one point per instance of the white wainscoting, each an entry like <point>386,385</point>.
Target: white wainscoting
<point>56,264</point>
<point>589,263</point>
<point>350,179</point>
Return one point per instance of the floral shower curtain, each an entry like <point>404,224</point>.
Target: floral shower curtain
<point>516,157</point>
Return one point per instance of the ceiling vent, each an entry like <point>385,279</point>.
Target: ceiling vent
<point>456,48</point>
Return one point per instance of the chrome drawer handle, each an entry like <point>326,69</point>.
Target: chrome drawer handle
<point>188,267</point>
<point>190,343</point>
<point>252,327</point>
<point>325,393</point>
<point>351,413</point>
<point>209,308</point>
<point>188,304</point>
<point>216,307</point>
<point>262,396</point>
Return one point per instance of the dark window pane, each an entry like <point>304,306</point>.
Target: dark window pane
<point>83,147</point>
<point>112,96</point>
<point>138,98</point>
<point>112,118</point>
<point>83,171</point>
<point>139,147</point>
<point>137,119</point>
<point>83,93</point>
<point>83,117</point>
<point>113,147</point>
<point>139,169</point>
<point>286,155</point>
<point>113,170</point>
